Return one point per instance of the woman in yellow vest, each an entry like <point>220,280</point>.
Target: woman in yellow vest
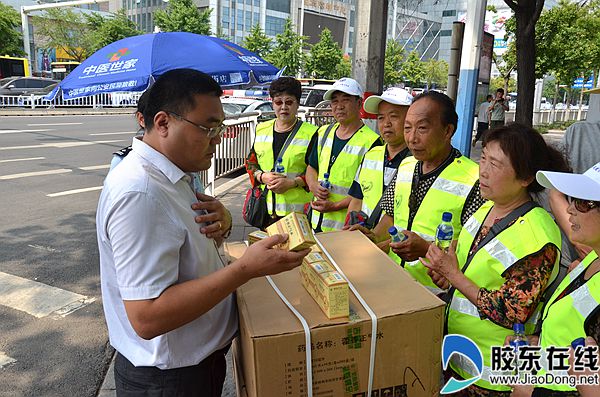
<point>507,252</point>
<point>287,138</point>
<point>573,311</point>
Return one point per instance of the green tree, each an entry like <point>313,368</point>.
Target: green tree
<point>12,39</point>
<point>287,52</point>
<point>325,56</point>
<point>108,30</point>
<point>526,15</point>
<point>183,16</point>
<point>394,58</point>
<point>435,72</point>
<point>506,65</point>
<point>258,42</point>
<point>412,69</point>
<point>344,68</point>
<point>509,85</point>
<point>63,28</point>
<point>568,42</point>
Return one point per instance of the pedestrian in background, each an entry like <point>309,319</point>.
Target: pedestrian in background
<point>482,119</point>
<point>497,109</point>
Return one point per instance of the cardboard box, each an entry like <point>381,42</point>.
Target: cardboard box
<point>272,351</point>
<point>327,287</point>
<point>297,227</point>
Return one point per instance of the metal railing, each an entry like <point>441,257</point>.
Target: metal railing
<point>545,116</point>
<point>235,146</point>
<point>113,99</point>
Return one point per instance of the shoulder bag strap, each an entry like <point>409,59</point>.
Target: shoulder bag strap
<point>494,231</point>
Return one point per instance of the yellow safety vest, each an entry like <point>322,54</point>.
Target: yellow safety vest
<point>527,235</point>
<point>563,320</point>
<point>342,172</point>
<point>294,163</point>
<point>447,194</point>
<point>370,178</point>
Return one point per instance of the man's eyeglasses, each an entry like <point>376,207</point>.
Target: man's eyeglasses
<point>210,132</point>
<point>582,205</point>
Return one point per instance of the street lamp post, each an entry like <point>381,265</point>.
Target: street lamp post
<point>25,10</point>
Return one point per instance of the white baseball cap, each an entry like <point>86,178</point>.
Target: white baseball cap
<point>586,186</point>
<point>393,95</point>
<point>346,85</point>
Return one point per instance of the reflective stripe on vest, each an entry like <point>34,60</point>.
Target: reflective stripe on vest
<point>370,178</point>
<point>342,172</point>
<point>448,193</point>
<point>564,319</point>
<point>293,159</point>
<point>486,270</point>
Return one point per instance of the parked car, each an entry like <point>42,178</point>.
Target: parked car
<point>234,105</point>
<point>313,95</point>
<point>23,85</point>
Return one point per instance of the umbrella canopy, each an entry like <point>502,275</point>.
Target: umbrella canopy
<point>133,63</point>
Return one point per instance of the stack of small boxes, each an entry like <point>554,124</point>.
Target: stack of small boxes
<point>325,284</point>
<point>320,278</point>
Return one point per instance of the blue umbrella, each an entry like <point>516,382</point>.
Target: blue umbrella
<point>133,63</point>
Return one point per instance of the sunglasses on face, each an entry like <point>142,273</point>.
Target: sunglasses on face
<point>279,102</point>
<point>582,205</point>
<point>210,132</point>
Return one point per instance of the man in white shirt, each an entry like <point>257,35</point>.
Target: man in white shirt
<point>166,293</point>
<point>482,119</point>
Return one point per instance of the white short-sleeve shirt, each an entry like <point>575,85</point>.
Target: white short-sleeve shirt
<point>148,240</point>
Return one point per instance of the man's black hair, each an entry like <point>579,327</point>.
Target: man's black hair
<point>176,91</point>
<point>449,115</point>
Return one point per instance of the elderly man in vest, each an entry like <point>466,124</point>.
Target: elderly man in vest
<point>338,152</point>
<point>437,179</point>
<point>381,163</point>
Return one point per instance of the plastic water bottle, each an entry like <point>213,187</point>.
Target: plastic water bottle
<point>396,237</point>
<point>519,340</point>
<point>445,232</point>
<point>325,182</point>
<point>279,168</point>
<point>578,342</point>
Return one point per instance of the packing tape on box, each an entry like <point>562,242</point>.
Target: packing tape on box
<point>369,311</point>
<point>306,336</point>
<point>307,328</point>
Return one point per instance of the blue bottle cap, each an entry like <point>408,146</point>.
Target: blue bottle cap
<point>518,327</point>
<point>392,230</point>
<point>578,342</point>
<point>447,216</point>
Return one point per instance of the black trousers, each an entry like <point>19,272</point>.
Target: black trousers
<point>202,380</point>
<point>481,128</point>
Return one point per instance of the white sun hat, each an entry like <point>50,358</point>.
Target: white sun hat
<point>346,85</point>
<point>393,95</point>
<point>584,186</point>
